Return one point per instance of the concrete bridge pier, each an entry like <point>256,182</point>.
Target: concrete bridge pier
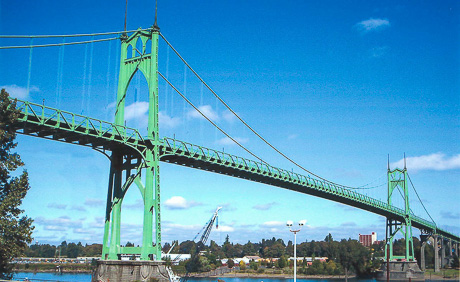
<point>443,253</point>
<point>436,253</point>
<point>422,256</point>
<point>450,257</point>
<point>131,270</point>
<point>424,238</point>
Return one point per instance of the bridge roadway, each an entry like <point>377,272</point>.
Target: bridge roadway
<point>41,121</point>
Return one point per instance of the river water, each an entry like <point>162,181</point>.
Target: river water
<point>77,277</point>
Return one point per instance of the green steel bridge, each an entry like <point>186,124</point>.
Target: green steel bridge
<point>41,121</point>
<point>131,154</point>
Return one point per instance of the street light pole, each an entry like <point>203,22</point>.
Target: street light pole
<point>289,224</point>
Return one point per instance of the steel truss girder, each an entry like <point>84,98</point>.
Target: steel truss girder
<point>187,154</point>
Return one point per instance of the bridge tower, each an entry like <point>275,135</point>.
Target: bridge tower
<point>127,166</point>
<point>397,180</point>
<point>397,267</point>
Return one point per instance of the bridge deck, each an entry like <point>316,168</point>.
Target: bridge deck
<point>44,122</point>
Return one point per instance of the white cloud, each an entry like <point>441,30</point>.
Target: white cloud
<point>206,110</point>
<point>78,208</point>
<point>94,202</point>
<point>372,25</point>
<point>139,111</point>
<point>273,223</point>
<point>292,136</point>
<point>378,52</point>
<point>228,116</point>
<point>136,110</point>
<point>57,206</point>
<point>264,207</point>
<point>18,91</point>
<point>63,221</point>
<point>224,228</point>
<point>179,203</point>
<point>175,226</point>
<point>83,231</point>
<point>138,204</point>
<point>227,207</point>
<point>55,228</point>
<point>227,141</point>
<point>167,121</point>
<point>98,223</point>
<point>436,161</point>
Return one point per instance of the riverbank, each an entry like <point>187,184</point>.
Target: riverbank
<point>443,275</point>
<point>54,268</point>
<point>280,276</point>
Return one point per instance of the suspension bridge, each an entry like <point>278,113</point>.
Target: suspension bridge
<point>133,155</point>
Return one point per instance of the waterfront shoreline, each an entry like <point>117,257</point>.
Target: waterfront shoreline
<point>428,277</point>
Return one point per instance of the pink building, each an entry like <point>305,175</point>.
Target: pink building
<point>368,240</point>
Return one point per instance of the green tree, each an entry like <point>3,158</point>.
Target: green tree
<point>253,265</point>
<point>242,265</point>
<point>230,263</point>
<point>15,229</point>
<point>282,262</point>
<point>455,263</point>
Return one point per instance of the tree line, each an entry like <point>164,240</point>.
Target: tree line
<point>342,256</point>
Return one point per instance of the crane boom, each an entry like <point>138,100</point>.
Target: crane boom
<point>207,231</point>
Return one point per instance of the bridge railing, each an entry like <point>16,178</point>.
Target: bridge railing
<point>209,155</point>
<point>32,113</point>
<point>64,120</point>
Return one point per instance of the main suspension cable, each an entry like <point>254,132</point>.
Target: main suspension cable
<point>214,124</point>
<point>413,187</point>
<point>72,35</point>
<point>246,124</point>
<point>58,44</point>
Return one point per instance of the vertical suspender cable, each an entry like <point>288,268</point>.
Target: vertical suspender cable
<point>167,76</point>
<point>172,103</point>
<point>246,124</point>
<point>138,82</point>
<point>59,75</point>
<point>201,104</point>
<point>88,101</point>
<point>61,79</point>
<point>83,93</point>
<point>30,66</point>
<point>116,71</point>
<point>126,12</point>
<point>216,132</point>
<point>185,93</point>
<point>107,82</point>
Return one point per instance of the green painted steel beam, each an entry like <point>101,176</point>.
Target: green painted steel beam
<point>194,156</point>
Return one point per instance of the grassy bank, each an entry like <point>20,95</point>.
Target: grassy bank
<point>53,267</point>
<point>453,274</point>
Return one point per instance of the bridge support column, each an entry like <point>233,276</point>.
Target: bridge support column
<point>436,253</point>
<point>443,253</point>
<point>422,256</point>
<point>397,179</point>
<point>135,59</point>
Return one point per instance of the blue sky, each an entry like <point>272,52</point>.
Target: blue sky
<point>335,85</point>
